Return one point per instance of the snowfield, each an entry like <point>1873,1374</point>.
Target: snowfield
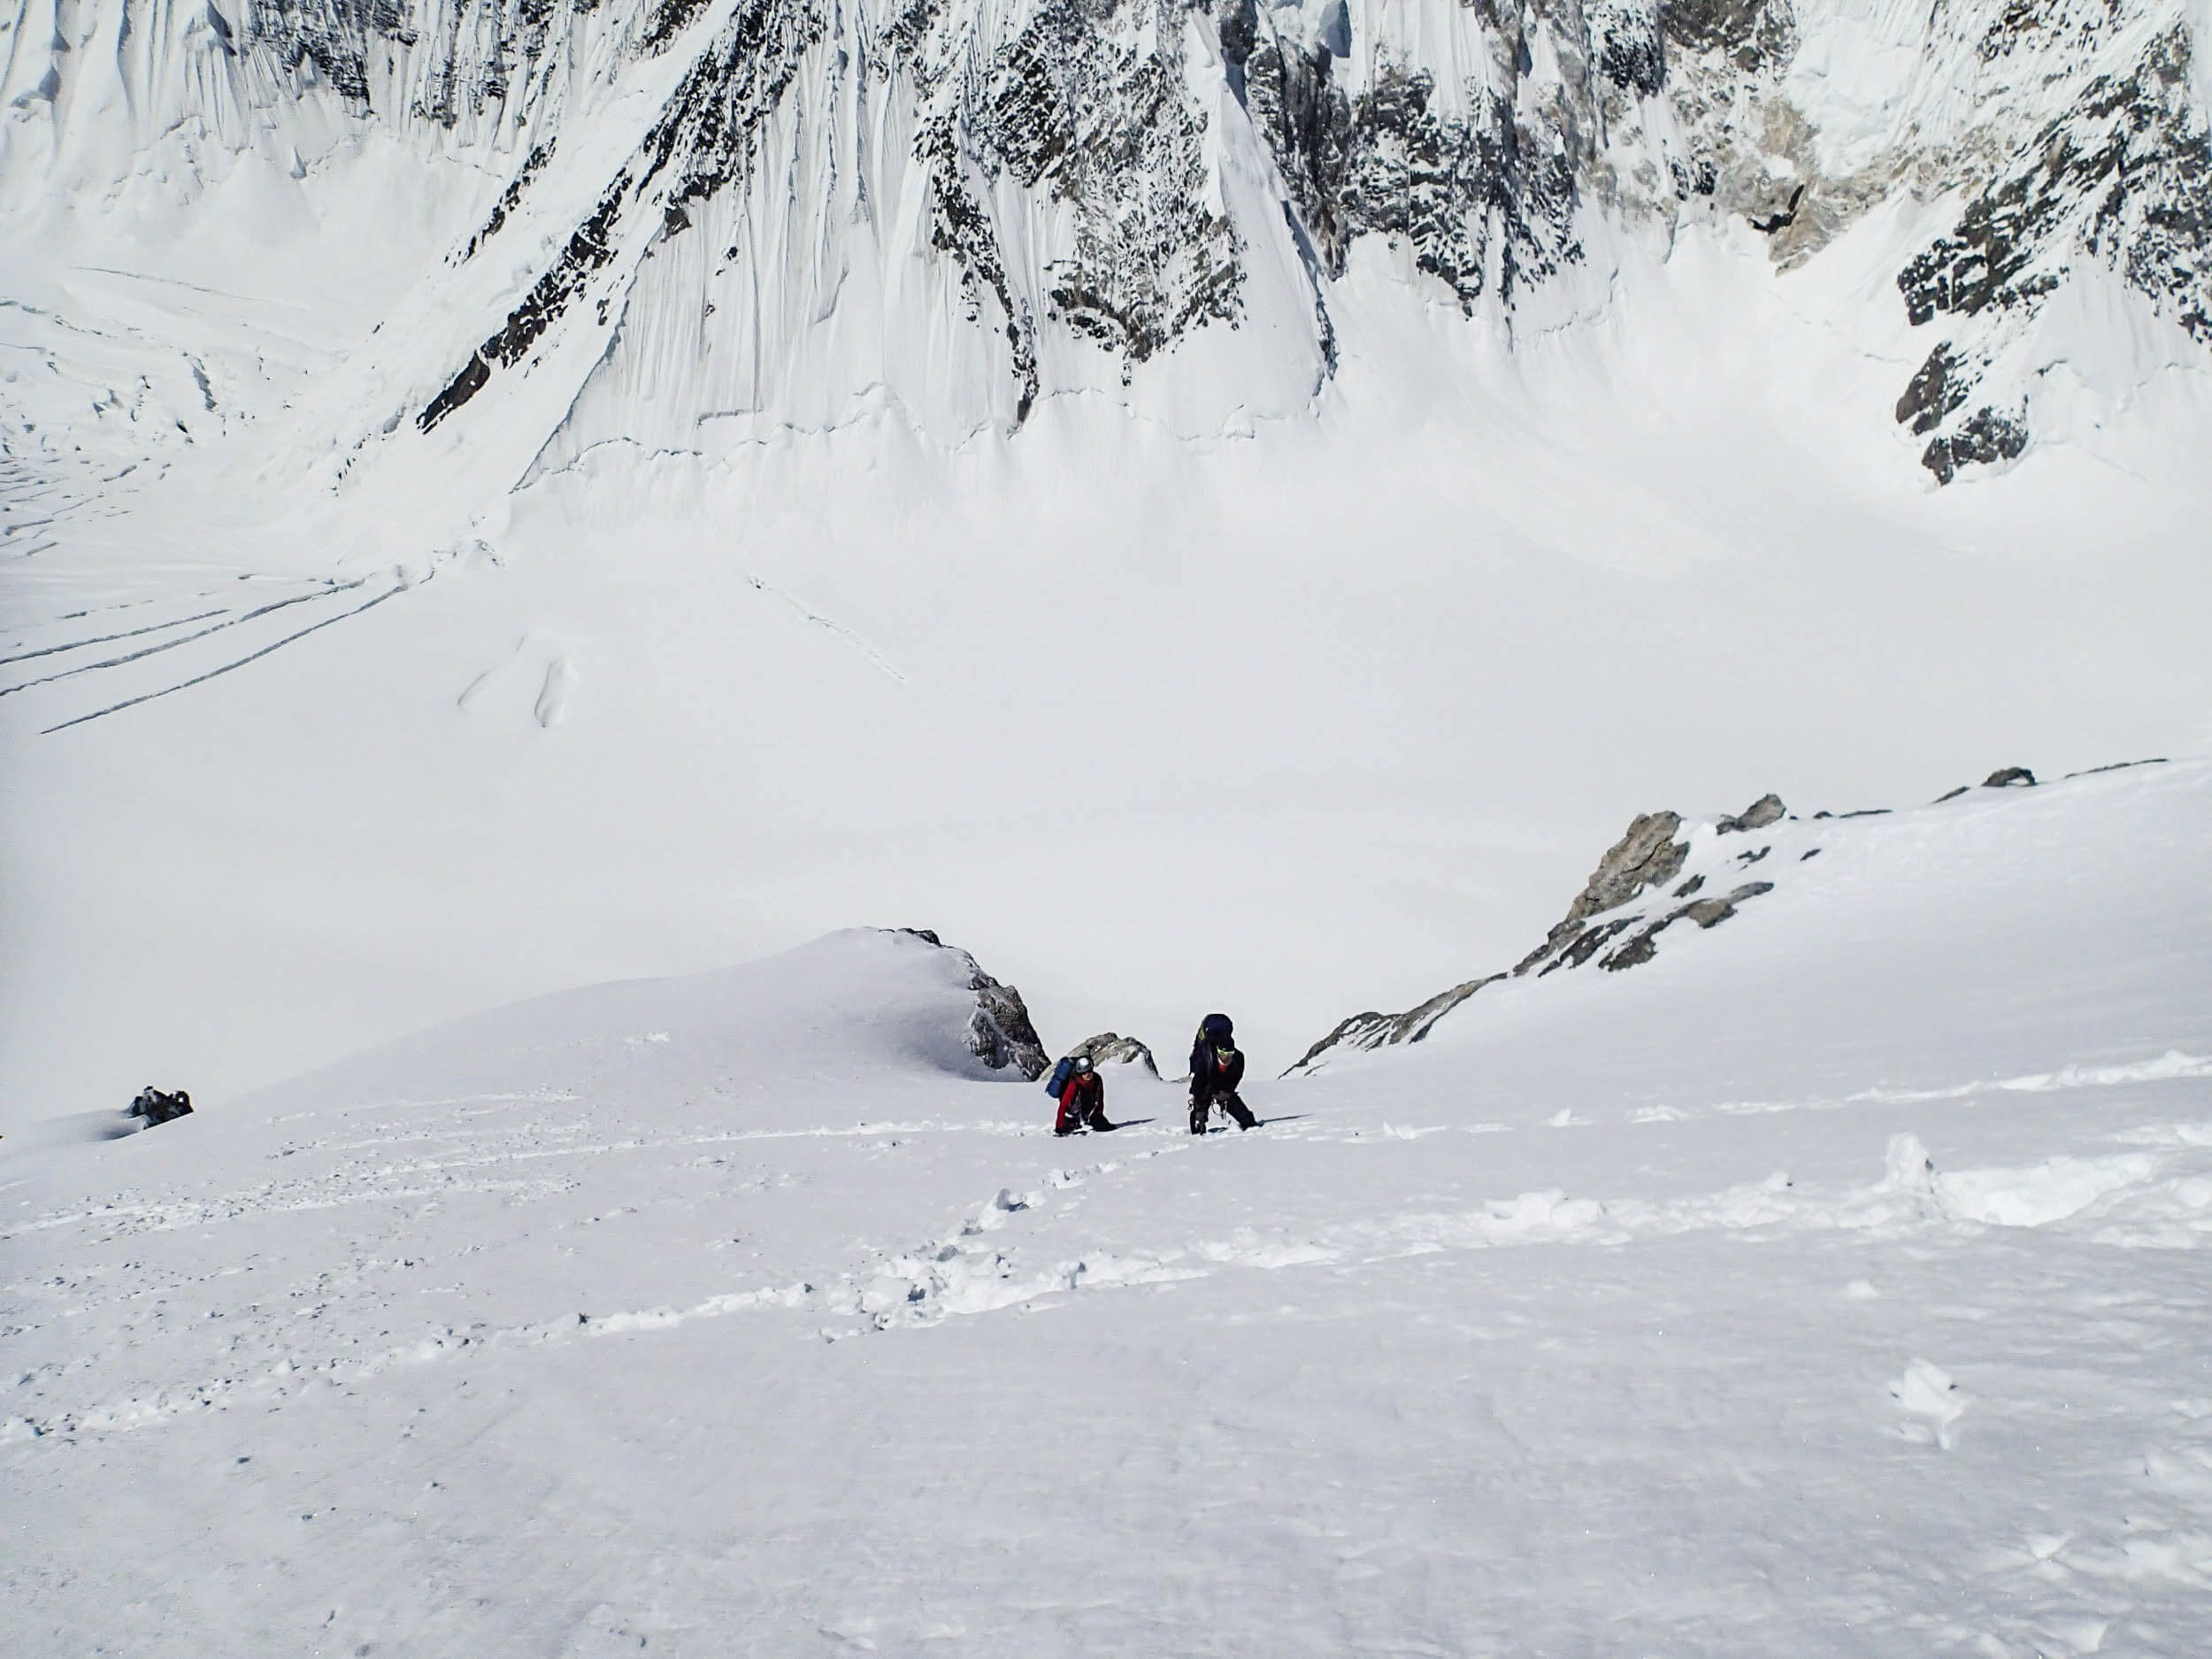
<point>1827,1284</point>
<point>1219,505</point>
<point>1239,484</point>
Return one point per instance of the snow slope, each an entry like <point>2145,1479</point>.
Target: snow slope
<point>882,512</point>
<point>1367,693</point>
<point>1825,1285</point>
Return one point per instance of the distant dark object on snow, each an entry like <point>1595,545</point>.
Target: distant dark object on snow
<point>158,1107</point>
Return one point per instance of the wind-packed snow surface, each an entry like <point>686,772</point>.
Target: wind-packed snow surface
<point>1829,1285</point>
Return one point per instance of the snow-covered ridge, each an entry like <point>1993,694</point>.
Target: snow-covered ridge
<point>1662,873</point>
<point>853,1001</point>
<point>683,223</point>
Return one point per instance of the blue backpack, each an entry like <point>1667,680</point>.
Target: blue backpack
<point>1058,1083</point>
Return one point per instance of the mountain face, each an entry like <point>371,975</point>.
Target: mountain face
<point>681,224</point>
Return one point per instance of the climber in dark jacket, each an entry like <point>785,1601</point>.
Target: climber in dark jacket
<point>1216,1066</point>
<point>1083,1101</point>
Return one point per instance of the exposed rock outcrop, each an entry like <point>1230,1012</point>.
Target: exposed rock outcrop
<point>1612,921</point>
<point>1618,918</point>
<point>2117,766</point>
<point>1110,1048</point>
<point>1768,808</point>
<point>2121,174</point>
<point>1380,1031</point>
<point>999,1031</point>
<point>1646,857</point>
<point>1644,945</point>
<point>2003,778</point>
<point>159,1106</point>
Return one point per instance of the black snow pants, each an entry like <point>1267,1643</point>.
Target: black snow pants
<point>1226,1099</point>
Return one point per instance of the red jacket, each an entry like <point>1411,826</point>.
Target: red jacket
<point>1084,1097</point>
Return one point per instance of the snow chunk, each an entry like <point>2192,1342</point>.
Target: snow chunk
<point>2041,1193</point>
<point>1926,1392</point>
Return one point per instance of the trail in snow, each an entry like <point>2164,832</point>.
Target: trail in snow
<point>745,1313</point>
<point>833,627</point>
<point>1994,1302</point>
<point>251,657</point>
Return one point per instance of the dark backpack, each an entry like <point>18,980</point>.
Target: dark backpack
<point>158,1107</point>
<point>1214,1032</point>
<point>1058,1083</point>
